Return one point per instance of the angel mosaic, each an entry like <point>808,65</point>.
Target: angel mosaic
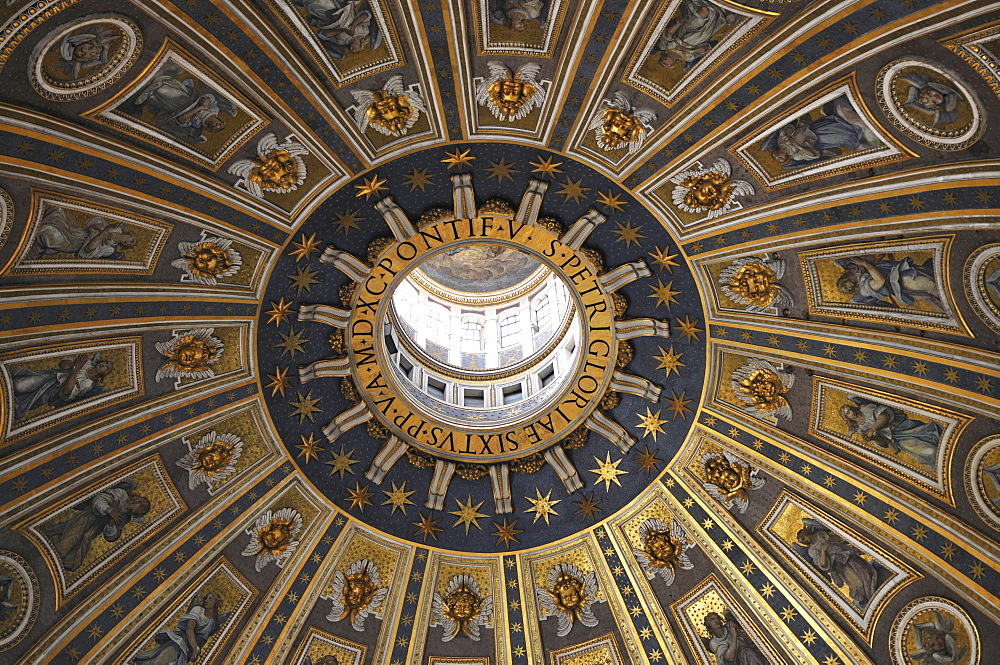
<point>273,537</point>
<point>278,167</point>
<point>104,515</point>
<point>207,261</point>
<point>728,641</point>
<point>762,387</point>
<point>518,15</point>
<point>692,32</point>
<point>183,644</point>
<point>663,549</point>
<point>511,95</point>
<point>883,280</point>
<point>392,111</point>
<point>936,641</point>
<point>710,191</point>
<point>190,355</point>
<point>184,106</point>
<point>839,561</point>
<point>569,596</point>
<point>357,594</point>
<point>462,609</point>
<point>729,480</point>
<point>85,49</point>
<point>59,236</point>
<point>752,283</point>
<point>343,26</point>
<point>74,379</point>
<point>892,429</point>
<point>212,460</point>
<point>620,124</point>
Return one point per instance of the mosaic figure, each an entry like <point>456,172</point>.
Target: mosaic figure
<point>885,281</point>
<point>343,26</point>
<point>893,429</point>
<point>98,240</point>
<point>516,14</point>
<point>75,378</point>
<point>729,643</point>
<point>104,515</point>
<point>839,561</point>
<point>692,32</point>
<point>462,609</point>
<point>183,106</point>
<point>182,645</point>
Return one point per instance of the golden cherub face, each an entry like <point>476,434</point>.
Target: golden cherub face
<point>662,548</point>
<point>757,283</point>
<point>193,353</point>
<point>509,95</point>
<point>389,111</point>
<point>275,536</point>
<point>209,260</point>
<point>568,594</point>
<point>707,191</point>
<point>277,171</point>
<point>764,387</point>
<point>462,605</point>
<point>215,456</point>
<point>723,474</point>
<point>358,591</point>
<point>620,127</point>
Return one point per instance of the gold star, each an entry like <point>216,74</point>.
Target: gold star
<point>372,186</point>
<point>664,295</point>
<point>292,342</point>
<point>767,590</point>
<point>506,533</point>
<point>889,361</point>
<point>398,498</point>
<point>418,178</point>
<point>359,497</point>
<point>305,247</point>
<point>309,447</point>
<point>542,506</point>
<point>468,514</point>
<point>860,356</point>
<point>342,462</point>
<point>648,461</point>
<point>920,532</point>
<point>628,234</point>
<point>948,551</point>
<point>427,527</point>
<point>546,166</point>
<point>860,498</point>
<point>501,170</point>
<point>708,524</point>
<point>829,481</point>
<point>784,457</point>
<point>279,381</point>
<point>305,407</point>
<point>802,345</point>
<point>678,405</point>
<point>983,383</point>
<point>689,329</point>
<point>608,471</point>
<point>831,660</point>
<point>303,279</point>
<point>347,220</point>
<point>788,614</point>
<point>458,158</point>
<point>611,201</point>
<point>920,368</point>
<point>830,350</point>
<point>651,423</point>
<point>664,260</point>
<point>748,567</point>
<point>573,190</point>
<point>279,312</point>
<point>891,516</point>
<point>977,570</point>
<point>728,545</point>
<point>951,375</point>
<point>808,637</point>
<point>588,506</point>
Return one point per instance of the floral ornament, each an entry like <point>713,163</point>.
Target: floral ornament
<point>752,282</point>
<point>510,95</point>
<point>700,190</point>
<point>937,642</point>
<point>189,355</point>
<point>569,596</point>
<point>391,110</point>
<point>462,608</point>
<point>212,460</point>
<point>663,549</point>
<point>619,124</point>
<point>272,537</point>
<point>357,594</point>
<point>761,387</point>
<point>206,261</point>
<point>728,480</point>
<point>278,168</point>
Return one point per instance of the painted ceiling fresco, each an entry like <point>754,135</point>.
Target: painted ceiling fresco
<point>778,220</point>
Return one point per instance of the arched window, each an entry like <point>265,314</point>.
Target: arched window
<point>438,318</point>
<point>510,327</point>
<point>472,336</point>
<point>543,314</point>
